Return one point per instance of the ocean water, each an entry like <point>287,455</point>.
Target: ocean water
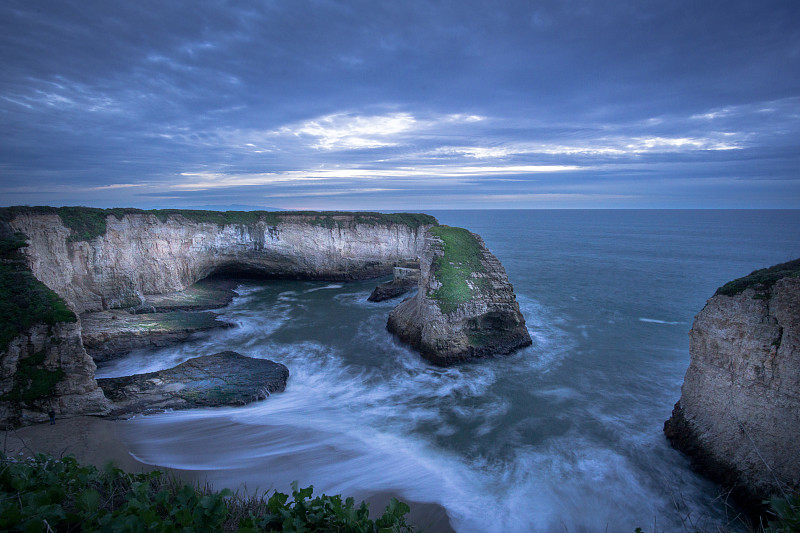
<point>565,435</point>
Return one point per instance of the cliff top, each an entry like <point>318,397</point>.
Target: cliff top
<point>762,279</point>
<point>87,223</point>
<point>461,258</point>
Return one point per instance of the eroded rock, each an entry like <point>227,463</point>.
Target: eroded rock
<point>404,280</point>
<point>465,308</point>
<point>46,368</point>
<point>738,417</point>
<point>225,378</point>
<point>110,334</point>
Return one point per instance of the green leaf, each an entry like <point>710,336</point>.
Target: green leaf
<point>89,500</point>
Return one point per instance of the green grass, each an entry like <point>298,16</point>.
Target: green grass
<point>45,494</point>
<point>86,223</point>
<point>761,280</point>
<point>462,257</point>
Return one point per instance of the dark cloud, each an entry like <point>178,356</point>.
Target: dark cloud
<point>401,104</point>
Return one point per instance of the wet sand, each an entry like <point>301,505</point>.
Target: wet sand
<point>97,441</point>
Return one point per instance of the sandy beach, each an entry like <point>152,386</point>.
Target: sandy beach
<point>97,441</point>
<point>91,440</point>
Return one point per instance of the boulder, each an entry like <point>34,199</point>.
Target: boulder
<point>225,378</point>
<point>403,281</point>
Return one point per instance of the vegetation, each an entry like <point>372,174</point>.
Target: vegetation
<point>24,300</point>
<point>461,258</point>
<point>32,381</point>
<point>786,513</point>
<point>761,280</point>
<point>779,515</point>
<point>86,223</point>
<point>44,494</point>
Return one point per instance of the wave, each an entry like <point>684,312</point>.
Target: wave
<point>326,287</point>
<point>654,321</point>
<point>497,444</point>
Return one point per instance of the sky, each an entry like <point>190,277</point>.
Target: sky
<point>400,105</point>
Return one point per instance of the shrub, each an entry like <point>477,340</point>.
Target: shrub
<point>761,280</point>
<point>44,494</point>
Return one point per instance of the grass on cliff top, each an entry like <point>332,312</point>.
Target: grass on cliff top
<point>24,300</point>
<point>45,494</point>
<point>762,279</point>
<point>462,257</point>
<point>86,223</point>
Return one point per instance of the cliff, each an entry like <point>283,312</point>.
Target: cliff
<point>140,252</point>
<point>465,307</point>
<point>90,260</point>
<point>43,365</point>
<point>738,417</point>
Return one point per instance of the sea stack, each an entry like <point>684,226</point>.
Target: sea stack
<point>465,308</point>
<point>738,417</point>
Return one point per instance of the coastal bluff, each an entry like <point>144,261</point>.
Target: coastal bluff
<point>738,417</point>
<point>465,307</point>
<point>88,260</point>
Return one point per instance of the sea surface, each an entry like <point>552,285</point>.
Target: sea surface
<point>565,435</point>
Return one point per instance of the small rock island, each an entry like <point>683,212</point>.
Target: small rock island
<point>83,284</point>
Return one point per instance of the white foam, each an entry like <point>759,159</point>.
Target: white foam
<point>654,321</point>
<point>331,286</point>
<point>424,433</point>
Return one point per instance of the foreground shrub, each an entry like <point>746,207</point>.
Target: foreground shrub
<point>46,494</point>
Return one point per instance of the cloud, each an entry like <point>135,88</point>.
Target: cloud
<point>349,132</point>
<point>203,181</point>
<point>115,101</point>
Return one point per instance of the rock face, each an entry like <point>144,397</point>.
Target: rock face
<point>110,334</point>
<point>140,254</point>
<point>47,368</point>
<point>405,279</point>
<point>225,378</point>
<point>738,417</point>
<point>465,307</point>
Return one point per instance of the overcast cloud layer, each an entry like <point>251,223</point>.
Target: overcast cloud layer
<point>400,104</point>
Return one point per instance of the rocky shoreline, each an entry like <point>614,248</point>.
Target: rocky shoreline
<point>110,334</point>
<point>139,279</point>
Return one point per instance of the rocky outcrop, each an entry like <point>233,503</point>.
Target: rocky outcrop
<point>738,417</point>
<point>110,334</point>
<point>465,307</point>
<point>404,280</point>
<point>209,293</point>
<point>141,254</point>
<point>46,368</point>
<point>225,378</point>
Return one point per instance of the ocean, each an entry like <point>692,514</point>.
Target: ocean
<point>565,435</point>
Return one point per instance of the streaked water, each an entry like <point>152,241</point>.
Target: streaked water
<point>564,435</point>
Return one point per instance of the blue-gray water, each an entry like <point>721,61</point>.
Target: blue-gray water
<point>564,435</point>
